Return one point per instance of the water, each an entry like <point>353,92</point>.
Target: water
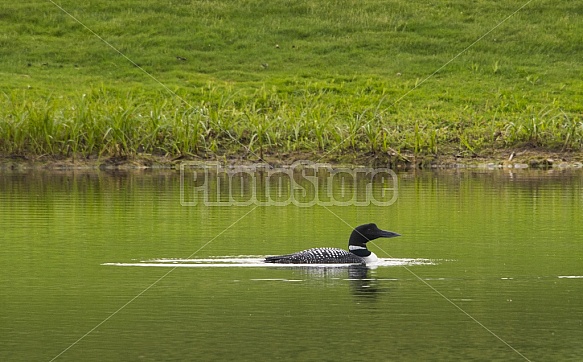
<point>489,267</point>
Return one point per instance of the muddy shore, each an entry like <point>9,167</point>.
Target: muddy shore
<point>522,159</point>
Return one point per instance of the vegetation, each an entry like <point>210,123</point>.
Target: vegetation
<point>250,77</point>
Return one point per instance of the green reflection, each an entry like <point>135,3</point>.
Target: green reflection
<point>500,241</point>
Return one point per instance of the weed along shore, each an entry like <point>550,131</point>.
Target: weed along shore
<point>405,85</point>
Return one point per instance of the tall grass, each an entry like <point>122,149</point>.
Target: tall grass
<point>324,77</point>
<point>107,123</point>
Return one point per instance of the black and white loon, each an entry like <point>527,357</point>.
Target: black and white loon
<point>357,252</point>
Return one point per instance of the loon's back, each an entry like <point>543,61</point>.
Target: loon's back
<point>317,256</point>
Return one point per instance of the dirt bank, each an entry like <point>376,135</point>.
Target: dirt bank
<point>519,158</point>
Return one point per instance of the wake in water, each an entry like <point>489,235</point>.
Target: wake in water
<point>256,261</point>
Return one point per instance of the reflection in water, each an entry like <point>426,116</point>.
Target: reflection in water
<point>514,239</point>
<point>359,278</point>
<point>362,285</point>
<point>360,282</point>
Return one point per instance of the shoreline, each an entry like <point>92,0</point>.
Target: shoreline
<point>498,159</point>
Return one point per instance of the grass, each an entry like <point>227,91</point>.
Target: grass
<point>325,78</point>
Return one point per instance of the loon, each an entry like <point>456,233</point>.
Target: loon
<point>357,252</point>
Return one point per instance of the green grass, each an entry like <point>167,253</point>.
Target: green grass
<point>328,78</point>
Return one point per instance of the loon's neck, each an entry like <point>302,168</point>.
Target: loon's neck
<point>368,256</point>
<point>358,250</point>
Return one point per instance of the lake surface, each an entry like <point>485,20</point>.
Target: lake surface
<point>489,267</point>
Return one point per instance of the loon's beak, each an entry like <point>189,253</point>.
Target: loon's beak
<point>388,234</point>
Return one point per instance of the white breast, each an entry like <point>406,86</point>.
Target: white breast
<point>371,259</point>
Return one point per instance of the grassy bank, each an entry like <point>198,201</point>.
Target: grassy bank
<point>328,79</point>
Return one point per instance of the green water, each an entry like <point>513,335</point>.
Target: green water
<point>505,284</point>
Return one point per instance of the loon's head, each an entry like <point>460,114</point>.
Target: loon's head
<point>364,233</point>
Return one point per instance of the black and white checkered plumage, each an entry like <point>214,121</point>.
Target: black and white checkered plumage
<point>317,256</point>
<point>357,251</point>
